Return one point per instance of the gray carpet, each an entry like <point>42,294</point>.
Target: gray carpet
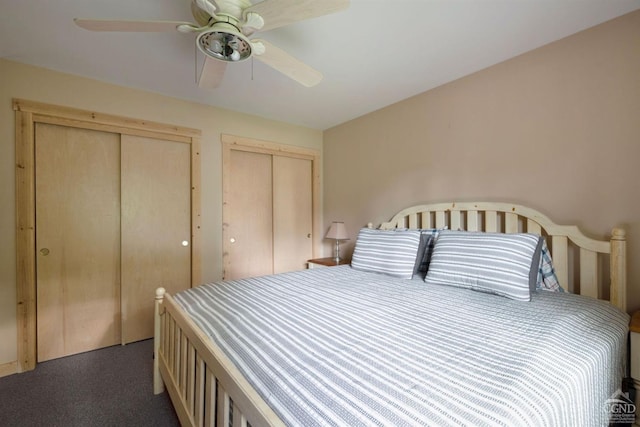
<point>108,387</point>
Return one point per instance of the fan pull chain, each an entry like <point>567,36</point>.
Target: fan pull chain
<point>252,68</point>
<point>195,59</point>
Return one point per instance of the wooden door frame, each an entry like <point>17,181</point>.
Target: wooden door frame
<point>27,114</point>
<point>238,143</point>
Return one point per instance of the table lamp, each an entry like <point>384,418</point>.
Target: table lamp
<point>338,232</point>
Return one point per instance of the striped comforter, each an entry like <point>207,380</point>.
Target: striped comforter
<point>337,346</point>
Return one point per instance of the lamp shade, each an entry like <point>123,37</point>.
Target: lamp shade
<point>337,231</point>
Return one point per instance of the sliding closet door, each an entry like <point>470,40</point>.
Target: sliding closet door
<point>77,186</point>
<point>292,213</point>
<point>267,210</point>
<point>247,236</point>
<point>156,227</point>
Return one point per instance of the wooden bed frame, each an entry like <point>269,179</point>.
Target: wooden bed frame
<point>208,390</point>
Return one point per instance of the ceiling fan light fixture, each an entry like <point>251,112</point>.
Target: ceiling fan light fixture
<point>225,43</point>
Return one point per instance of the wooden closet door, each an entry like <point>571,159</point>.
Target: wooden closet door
<point>268,213</point>
<point>292,213</point>
<point>247,235</point>
<point>78,240</point>
<point>156,227</point>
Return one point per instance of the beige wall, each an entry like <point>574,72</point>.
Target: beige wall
<point>557,129</point>
<point>37,84</point>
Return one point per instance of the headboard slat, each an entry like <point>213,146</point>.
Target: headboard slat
<point>455,222</point>
<point>560,255</point>
<point>426,219</point>
<point>440,221</point>
<point>589,274</point>
<point>510,222</point>
<point>413,220</point>
<point>472,220</point>
<point>533,227</point>
<point>491,221</point>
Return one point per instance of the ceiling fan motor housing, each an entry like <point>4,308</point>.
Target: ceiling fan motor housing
<point>226,7</point>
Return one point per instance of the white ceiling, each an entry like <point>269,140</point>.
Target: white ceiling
<point>372,55</point>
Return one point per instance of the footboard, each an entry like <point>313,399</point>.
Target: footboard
<point>205,387</point>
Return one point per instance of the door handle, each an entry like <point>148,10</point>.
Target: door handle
<point>44,251</point>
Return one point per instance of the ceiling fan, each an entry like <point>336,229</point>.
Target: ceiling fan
<point>223,29</point>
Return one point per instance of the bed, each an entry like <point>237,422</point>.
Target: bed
<point>351,346</point>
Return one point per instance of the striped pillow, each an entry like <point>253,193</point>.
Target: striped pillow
<point>390,252</point>
<point>501,264</point>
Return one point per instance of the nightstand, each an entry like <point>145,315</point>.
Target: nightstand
<point>326,262</point>
<point>634,332</point>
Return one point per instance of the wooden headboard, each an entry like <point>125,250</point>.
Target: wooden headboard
<point>580,262</point>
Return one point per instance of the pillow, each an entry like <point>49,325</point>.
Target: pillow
<point>497,263</point>
<point>425,250</point>
<point>547,279</point>
<point>390,252</point>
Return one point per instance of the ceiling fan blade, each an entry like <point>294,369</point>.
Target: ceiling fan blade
<point>288,65</point>
<point>130,26</point>
<point>277,13</point>
<point>212,73</point>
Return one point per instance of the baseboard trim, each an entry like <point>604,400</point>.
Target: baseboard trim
<point>8,369</point>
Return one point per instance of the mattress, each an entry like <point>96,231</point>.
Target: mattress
<point>337,347</point>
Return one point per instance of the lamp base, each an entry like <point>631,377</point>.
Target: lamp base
<point>337,252</point>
